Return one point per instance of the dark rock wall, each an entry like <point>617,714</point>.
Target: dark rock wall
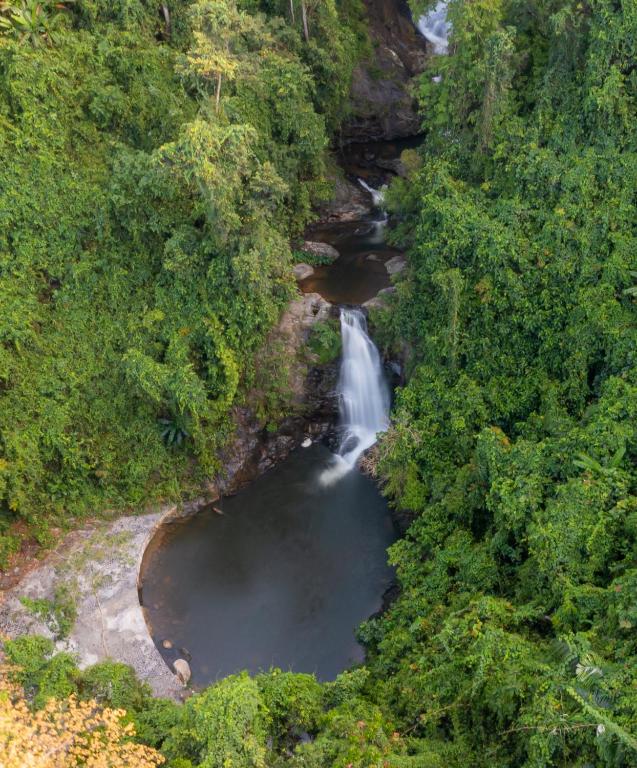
<point>382,90</point>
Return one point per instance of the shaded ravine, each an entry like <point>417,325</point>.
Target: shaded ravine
<point>282,573</point>
<point>281,578</point>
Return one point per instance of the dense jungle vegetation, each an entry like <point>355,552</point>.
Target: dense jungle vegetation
<point>514,639</point>
<point>153,168</point>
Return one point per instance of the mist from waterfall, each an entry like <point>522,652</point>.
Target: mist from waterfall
<point>363,392</point>
<point>434,27</point>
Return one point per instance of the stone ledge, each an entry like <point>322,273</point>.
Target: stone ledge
<point>100,566</point>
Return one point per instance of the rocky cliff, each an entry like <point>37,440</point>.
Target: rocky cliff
<point>382,101</point>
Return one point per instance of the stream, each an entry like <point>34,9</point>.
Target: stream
<point>282,573</point>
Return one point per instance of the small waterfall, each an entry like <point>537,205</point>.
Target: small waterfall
<point>378,232</point>
<point>364,396</point>
<point>379,223</point>
<point>434,27</point>
<point>378,195</point>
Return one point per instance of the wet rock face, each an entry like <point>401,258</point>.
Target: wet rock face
<point>349,202</point>
<point>382,102</point>
<point>313,409</point>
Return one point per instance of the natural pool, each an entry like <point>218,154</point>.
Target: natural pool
<point>359,273</point>
<point>282,578</point>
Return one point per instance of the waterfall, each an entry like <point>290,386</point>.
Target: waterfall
<point>378,198</point>
<point>433,26</point>
<point>378,195</point>
<point>364,396</point>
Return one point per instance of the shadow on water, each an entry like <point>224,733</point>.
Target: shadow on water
<point>282,578</point>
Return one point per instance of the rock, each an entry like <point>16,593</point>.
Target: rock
<point>383,106</point>
<point>395,165</point>
<point>324,250</point>
<point>312,402</point>
<point>380,300</point>
<point>301,271</point>
<point>372,257</point>
<point>306,443</point>
<point>167,644</point>
<point>349,201</point>
<point>395,265</point>
<point>182,670</point>
<point>301,315</point>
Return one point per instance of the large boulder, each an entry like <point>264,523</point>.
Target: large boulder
<point>323,250</point>
<point>182,670</point>
<point>395,265</point>
<point>302,271</point>
<point>380,300</point>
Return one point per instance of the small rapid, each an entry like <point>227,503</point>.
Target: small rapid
<point>363,393</point>
<point>435,28</point>
<point>377,195</point>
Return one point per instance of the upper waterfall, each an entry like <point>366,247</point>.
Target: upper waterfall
<point>378,195</point>
<point>434,27</point>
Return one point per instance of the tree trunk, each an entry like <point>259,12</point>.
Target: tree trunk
<point>166,13</point>
<point>218,94</point>
<point>306,32</point>
<point>292,11</point>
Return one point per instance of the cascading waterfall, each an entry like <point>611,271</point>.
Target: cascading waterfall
<point>364,396</point>
<point>434,27</point>
<point>378,195</point>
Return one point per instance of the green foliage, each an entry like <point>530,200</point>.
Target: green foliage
<point>42,674</point>
<point>294,704</point>
<point>325,341</point>
<point>225,725</point>
<point>144,246</point>
<point>514,441</point>
<point>9,545</point>
<point>155,721</point>
<point>33,22</point>
<point>115,685</point>
<point>59,614</point>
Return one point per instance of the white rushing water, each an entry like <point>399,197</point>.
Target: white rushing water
<point>434,27</point>
<point>378,195</point>
<point>364,396</point>
<point>378,229</point>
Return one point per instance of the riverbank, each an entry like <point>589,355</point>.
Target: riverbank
<point>97,566</point>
